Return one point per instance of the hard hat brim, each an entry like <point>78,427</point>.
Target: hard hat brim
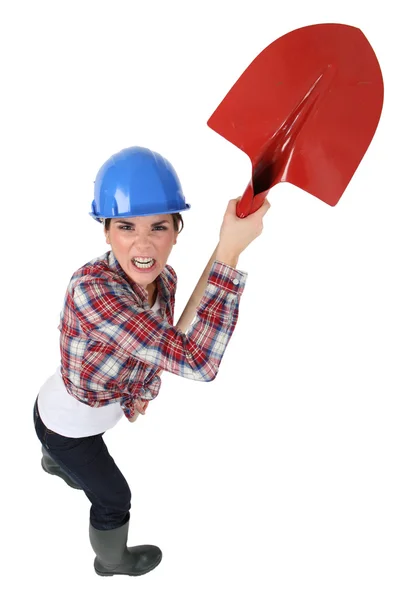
<point>99,218</point>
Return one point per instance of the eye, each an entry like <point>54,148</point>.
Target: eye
<point>160,228</point>
<point>125,227</point>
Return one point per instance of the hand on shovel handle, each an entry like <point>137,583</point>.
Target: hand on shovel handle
<point>237,233</point>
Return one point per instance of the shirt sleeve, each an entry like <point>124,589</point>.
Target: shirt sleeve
<point>107,315</point>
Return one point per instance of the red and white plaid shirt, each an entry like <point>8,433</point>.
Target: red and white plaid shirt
<point>114,347</point>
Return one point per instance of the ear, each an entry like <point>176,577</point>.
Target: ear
<point>107,236</point>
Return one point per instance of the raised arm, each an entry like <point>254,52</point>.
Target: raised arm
<point>234,238</point>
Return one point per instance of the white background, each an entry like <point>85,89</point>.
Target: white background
<point>279,480</point>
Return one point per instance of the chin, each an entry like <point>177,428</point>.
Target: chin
<point>143,279</point>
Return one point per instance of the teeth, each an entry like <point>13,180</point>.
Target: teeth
<point>144,263</point>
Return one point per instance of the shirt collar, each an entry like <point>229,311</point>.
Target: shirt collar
<point>163,288</point>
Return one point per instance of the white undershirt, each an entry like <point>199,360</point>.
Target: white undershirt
<point>67,416</point>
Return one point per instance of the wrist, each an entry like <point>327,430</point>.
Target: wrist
<point>227,257</point>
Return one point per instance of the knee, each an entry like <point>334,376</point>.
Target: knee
<point>127,497</point>
<point>123,497</point>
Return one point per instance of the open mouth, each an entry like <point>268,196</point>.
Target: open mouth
<point>143,263</point>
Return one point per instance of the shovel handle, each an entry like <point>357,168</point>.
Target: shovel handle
<point>189,312</point>
<point>249,202</point>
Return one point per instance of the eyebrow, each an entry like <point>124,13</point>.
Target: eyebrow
<point>152,225</point>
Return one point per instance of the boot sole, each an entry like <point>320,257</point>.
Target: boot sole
<point>62,476</point>
<point>110,574</point>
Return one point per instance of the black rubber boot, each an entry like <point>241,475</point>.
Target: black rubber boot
<point>114,558</point>
<point>50,466</point>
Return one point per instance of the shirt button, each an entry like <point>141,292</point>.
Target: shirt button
<point>235,281</point>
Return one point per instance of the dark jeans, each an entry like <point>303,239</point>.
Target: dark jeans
<point>87,461</point>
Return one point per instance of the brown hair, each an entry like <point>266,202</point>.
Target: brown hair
<point>176,217</point>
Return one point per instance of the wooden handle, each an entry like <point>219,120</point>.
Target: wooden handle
<point>189,312</point>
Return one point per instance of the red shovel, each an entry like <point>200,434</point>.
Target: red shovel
<point>305,112</point>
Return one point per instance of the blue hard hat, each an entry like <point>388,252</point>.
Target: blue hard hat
<point>136,182</point>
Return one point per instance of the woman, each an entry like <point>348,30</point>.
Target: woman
<point>117,335</point>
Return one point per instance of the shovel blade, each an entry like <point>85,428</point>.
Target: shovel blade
<point>305,112</point>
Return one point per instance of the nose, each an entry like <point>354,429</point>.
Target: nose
<point>142,241</point>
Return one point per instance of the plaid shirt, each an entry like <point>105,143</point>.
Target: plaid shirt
<point>114,347</point>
